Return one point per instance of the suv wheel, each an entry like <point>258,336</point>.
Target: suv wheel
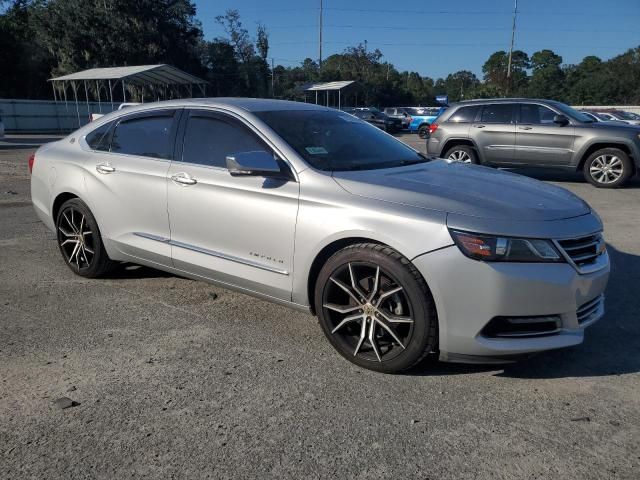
<point>79,240</point>
<point>423,131</point>
<point>375,308</point>
<point>462,153</point>
<point>608,168</point>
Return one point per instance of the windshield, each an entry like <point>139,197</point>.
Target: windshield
<point>572,112</point>
<point>335,141</point>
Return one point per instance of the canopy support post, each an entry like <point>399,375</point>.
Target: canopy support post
<point>98,92</point>
<point>86,96</point>
<point>75,96</point>
<point>111,94</point>
<point>124,93</point>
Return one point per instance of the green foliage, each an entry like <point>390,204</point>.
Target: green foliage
<point>43,38</point>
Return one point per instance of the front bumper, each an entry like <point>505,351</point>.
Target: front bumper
<point>469,294</point>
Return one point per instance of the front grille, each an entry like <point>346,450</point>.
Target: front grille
<point>583,251</point>
<point>591,310</point>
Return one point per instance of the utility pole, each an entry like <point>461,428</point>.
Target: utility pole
<point>320,39</point>
<point>513,36</point>
<point>273,74</point>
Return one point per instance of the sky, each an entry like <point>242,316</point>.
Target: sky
<point>435,38</point>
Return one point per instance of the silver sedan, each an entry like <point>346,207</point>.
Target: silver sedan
<point>397,254</point>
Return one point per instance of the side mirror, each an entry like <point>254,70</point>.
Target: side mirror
<point>561,120</point>
<point>255,164</point>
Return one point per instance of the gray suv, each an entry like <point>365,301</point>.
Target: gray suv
<point>518,131</point>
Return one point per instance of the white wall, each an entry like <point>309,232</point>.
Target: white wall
<point>44,116</point>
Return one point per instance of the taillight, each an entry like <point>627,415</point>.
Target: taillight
<point>433,127</point>
<point>32,159</point>
<point>410,119</point>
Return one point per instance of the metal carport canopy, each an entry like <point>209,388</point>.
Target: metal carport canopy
<point>329,87</point>
<point>141,74</point>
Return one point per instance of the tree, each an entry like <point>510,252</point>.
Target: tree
<point>238,36</point>
<point>262,41</point>
<point>460,85</point>
<point>547,78</point>
<point>495,72</point>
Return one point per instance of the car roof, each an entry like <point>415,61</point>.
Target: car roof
<point>232,103</point>
<point>502,100</point>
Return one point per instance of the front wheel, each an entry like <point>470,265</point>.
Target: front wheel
<point>79,240</point>
<point>608,168</point>
<point>375,308</point>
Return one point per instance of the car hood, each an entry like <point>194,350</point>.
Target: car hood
<point>472,190</point>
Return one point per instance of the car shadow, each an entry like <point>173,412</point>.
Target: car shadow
<point>611,345</point>
<point>132,271</point>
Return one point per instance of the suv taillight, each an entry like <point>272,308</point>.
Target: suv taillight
<point>433,127</point>
<point>32,159</point>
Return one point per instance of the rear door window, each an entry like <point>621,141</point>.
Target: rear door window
<point>497,113</point>
<point>465,114</point>
<point>146,135</point>
<point>534,114</point>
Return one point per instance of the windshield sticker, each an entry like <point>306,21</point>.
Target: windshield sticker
<point>316,150</point>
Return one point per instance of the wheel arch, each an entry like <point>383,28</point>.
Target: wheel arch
<point>334,246</point>
<point>452,142</point>
<point>594,147</point>
<point>59,201</point>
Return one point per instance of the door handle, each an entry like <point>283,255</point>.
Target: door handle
<point>184,179</point>
<point>479,126</point>
<point>525,128</point>
<point>105,168</point>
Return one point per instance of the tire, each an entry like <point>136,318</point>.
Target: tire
<point>423,131</point>
<point>462,153</point>
<point>608,168</point>
<point>412,322</point>
<point>86,257</point>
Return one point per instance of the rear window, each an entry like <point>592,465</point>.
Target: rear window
<point>465,114</point>
<point>148,136</point>
<point>497,113</point>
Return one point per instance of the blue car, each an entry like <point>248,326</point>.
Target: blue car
<point>422,117</point>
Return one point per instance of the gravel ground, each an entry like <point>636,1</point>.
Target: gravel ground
<point>175,378</point>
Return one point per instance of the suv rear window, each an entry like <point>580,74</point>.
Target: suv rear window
<point>465,114</point>
<point>497,113</point>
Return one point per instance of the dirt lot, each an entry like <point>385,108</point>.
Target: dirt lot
<point>176,378</point>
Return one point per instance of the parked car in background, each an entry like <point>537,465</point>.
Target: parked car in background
<point>510,132</point>
<point>401,113</point>
<point>422,118</point>
<point>597,118</point>
<point>1,128</point>
<point>397,255</point>
<point>627,117</point>
<point>602,117</point>
<point>377,118</point>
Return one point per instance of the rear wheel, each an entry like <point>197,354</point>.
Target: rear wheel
<point>79,240</point>
<point>608,168</point>
<point>462,153</point>
<point>423,131</point>
<point>375,308</point>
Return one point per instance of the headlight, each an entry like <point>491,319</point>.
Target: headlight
<point>491,248</point>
